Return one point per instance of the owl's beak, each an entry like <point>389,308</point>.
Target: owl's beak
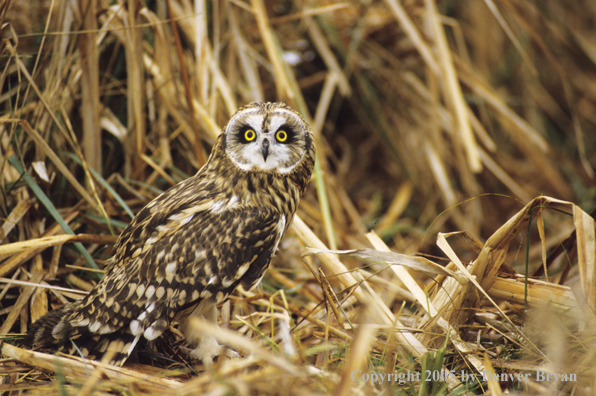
<point>265,149</point>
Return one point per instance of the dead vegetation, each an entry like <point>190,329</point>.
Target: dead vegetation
<point>443,129</point>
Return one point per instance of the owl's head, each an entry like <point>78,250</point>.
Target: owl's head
<point>267,137</point>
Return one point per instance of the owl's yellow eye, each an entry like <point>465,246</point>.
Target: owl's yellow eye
<point>281,136</point>
<point>250,135</point>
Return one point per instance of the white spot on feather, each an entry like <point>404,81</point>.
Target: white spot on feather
<point>131,289</point>
<point>227,282</point>
<point>135,327</point>
<point>171,268</point>
<point>152,240</point>
<point>163,228</point>
<point>140,290</point>
<point>105,329</point>
<point>81,323</point>
<point>212,280</point>
<point>177,216</point>
<point>183,218</point>
<point>94,327</point>
<point>170,276</point>
<point>242,270</point>
<point>217,206</point>
<point>150,292</point>
<point>151,333</point>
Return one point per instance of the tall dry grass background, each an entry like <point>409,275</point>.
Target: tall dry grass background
<point>461,131</point>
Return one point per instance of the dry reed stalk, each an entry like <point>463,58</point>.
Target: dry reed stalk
<point>539,293</point>
<point>40,243</point>
<point>76,369</point>
<point>453,90</point>
<point>90,107</point>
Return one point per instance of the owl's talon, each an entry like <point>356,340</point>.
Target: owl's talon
<point>209,349</point>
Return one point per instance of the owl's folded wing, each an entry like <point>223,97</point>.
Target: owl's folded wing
<point>206,257</point>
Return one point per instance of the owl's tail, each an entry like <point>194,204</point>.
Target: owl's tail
<point>41,332</point>
<point>116,346</point>
<point>54,331</point>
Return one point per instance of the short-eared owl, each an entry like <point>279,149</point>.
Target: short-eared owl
<point>189,248</point>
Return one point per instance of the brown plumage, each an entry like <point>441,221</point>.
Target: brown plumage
<point>190,247</point>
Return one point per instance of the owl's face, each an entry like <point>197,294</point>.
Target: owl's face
<point>267,137</point>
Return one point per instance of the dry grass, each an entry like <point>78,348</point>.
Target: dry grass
<point>430,118</point>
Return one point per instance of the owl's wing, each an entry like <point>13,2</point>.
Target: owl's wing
<point>192,256</point>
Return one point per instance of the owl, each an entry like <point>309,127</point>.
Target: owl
<point>189,248</point>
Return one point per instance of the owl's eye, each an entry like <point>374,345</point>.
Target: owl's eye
<point>249,135</point>
<point>281,136</point>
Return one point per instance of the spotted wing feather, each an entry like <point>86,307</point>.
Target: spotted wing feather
<point>185,266</point>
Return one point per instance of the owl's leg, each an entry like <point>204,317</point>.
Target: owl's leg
<point>205,346</point>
